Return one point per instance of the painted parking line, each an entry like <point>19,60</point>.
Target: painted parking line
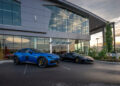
<point>6,61</point>
<point>67,68</point>
<point>25,70</point>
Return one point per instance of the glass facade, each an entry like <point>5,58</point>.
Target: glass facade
<point>9,44</point>
<point>63,20</point>
<point>10,12</point>
<point>59,46</point>
<point>80,46</point>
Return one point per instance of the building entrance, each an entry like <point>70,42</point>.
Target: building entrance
<point>59,46</point>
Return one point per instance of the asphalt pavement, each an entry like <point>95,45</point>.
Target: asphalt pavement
<point>66,74</point>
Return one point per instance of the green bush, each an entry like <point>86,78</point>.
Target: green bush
<point>92,52</point>
<point>102,54</point>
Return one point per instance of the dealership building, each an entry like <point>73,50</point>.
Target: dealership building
<point>53,26</point>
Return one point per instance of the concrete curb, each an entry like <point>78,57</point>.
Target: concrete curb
<point>5,61</point>
<point>117,63</point>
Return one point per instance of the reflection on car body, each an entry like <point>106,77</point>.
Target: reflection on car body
<point>34,56</point>
<point>77,58</point>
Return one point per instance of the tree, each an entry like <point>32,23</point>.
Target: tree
<point>109,38</point>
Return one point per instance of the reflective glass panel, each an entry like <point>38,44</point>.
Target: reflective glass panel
<point>10,12</point>
<point>63,20</point>
<point>17,42</point>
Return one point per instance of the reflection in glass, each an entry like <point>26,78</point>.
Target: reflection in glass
<point>63,20</point>
<point>43,44</point>
<point>59,46</point>
<point>25,42</point>
<point>8,48</point>
<point>79,46</point>
<point>17,42</point>
<point>10,12</point>
<point>1,47</point>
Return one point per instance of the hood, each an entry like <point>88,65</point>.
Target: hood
<point>88,57</point>
<point>50,55</point>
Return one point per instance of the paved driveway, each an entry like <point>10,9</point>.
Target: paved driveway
<point>66,74</point>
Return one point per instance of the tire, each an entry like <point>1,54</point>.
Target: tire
<point>42,62</point>
<point>16,60</point>
<point>76,60</point>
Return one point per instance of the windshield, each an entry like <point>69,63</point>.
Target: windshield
<point>75,54</point>
<point>36,51</point>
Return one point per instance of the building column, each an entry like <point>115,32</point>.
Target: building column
<point>113,24</point>
<point>35,43</point>
<point>68,46</point>
<point>104,39</point>
<point>50,45</point>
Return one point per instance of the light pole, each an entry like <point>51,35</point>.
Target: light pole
<point>97,42</point>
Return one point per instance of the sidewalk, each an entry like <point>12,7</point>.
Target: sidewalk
<point>117,63</point>
<point>6,61</point>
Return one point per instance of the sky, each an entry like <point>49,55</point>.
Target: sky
<point>106,9</point>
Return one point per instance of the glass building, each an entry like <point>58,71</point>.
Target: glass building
<point>45,25</point>
<point>63,20</point>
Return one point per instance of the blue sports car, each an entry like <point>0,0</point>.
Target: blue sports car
<point>29,55</point>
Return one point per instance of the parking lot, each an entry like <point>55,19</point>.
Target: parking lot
<point>66,74</point>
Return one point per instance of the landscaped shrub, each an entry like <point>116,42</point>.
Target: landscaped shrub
<point>102,54</point>
<point>92,52</point>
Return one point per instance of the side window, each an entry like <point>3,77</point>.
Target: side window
<point>23,51</point>
<point>20,51</point>
<point>69,54</point>
<point>66,54</point>
<point>29,51</point>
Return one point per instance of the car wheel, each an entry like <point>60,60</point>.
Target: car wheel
<point>16,60</point>
<point>42,62</point>
<point>77,60</point>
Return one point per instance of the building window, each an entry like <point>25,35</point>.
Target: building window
<point>43,44</point>
<point>63,20</point>
<point>80,46</point>
<point>10,44</point>
<point>17,43</point>
<point>59,46</point>
<point>10,12</point>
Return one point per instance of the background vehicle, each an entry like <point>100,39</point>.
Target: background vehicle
<point>77,58</point>
<point>28,55</point>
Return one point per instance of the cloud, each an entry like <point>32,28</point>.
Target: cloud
<point>107,9</point>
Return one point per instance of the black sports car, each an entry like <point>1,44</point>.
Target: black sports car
<point>77,58</point>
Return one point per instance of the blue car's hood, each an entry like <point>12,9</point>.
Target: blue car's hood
<point>50,55</point>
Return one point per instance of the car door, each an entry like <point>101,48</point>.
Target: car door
<point>31,56</point>
<point>69,56</point>
<point>22,55</point>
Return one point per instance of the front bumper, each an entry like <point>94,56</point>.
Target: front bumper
<point>89,61</point>
<point>53,62</point>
